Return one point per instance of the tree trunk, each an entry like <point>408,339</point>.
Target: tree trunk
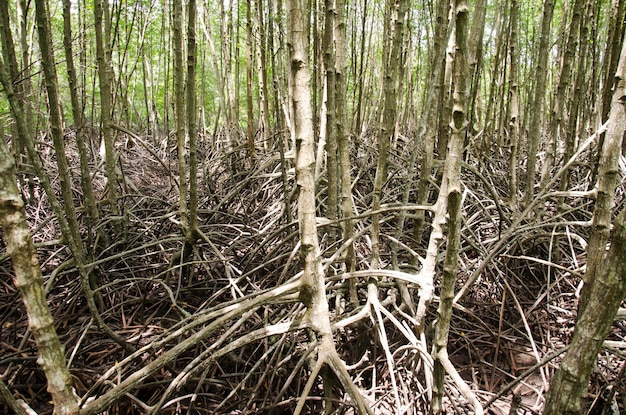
<point>427,128</point>
<point>536,109</point>
<point>29,282</point>
<point>358,127</point>
<point>609,66</point>
<point>250,129</point>
<point>20,81</point>
<point>571,380</point>
<point>261,60</point>
<point>514,105</point>
<point>332,176</point>
<point>192,121</point>
<point>182,258</point>
<point>79,120</point>
<point>56,127</point>
<point>560,113</point>
<point>605,276</point>
<point>103,47</point>
<point>343,148</point>
<point>449,205</point>
<point>219,75</point>
<point>66,215</point>
<point>231,115</point>
<point>387,130</point>
<point>608,175</point>
<point>312,289</point>
<point>475,50</point>
<point>492,130</point>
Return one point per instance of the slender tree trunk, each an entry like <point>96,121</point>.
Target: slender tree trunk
<point>534,131</point>
<point>79,120</point>
<point>56,122</point>
<point>608,175</point>
<point>179,108</point>
<point>250,131</point>
<point>609,66</point>
<point>449,203</point>
<point>429,117</point>
<point>572,115</point>
<point>165,40</point>
<point>343,148</point>
<point>9,45</point>
<point>103,47</point>
<point>10,57</point>
<point>25,18</point>
<point>605,284</point>
<point>192,121</point>
<point>66,215</point>
<point>231,114</point>
<point>559,113</point>
<point>317,78</point>
<point>121,86</point>
<point>328,47</point>
<point>219,75</point>
<point>576,116</point>
<point>569,384</point>
<point>29,282</point>
<point>612,53</point>
<point>513,101</point>
<point>491,132</point>
<point>280,113</point>
<point>313,289</point>
<point>391,77</point>
<point>360,78</point>
<point>180,119</point>
<point>562,111</point>
<point>261,60</point>
<point>444,109</point>
<point>475,46</point>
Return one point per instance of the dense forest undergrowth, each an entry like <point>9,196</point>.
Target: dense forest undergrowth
<point>322,207</point>
<point>520,309</point>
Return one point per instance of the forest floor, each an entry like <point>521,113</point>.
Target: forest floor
<point>520,309</point>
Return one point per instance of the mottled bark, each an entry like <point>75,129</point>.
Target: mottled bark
<point>312,288</point>
<point>514,128</point>
<point>262,72</point>
<point>313,293</point>
<point>332,175</point>
<point>612,54</point>
<point>103,52</point>
<point>192,120</point>
<point>66,215</point>
<point>475,59</point>
<point>608,175</point>
<point>179,109</point>
<point>571,380</point>
<point>605,277</point>
<point>397,11</point>
<point>29,282</point>
<point>79,120</point>
<point>427,128</point>
<point>250,129</point>
<point>449,205</point>
<point>560,109</point>
<point>534,131</point>
<point>10,59</point>
<point>360,76</point>
<point>343,148</point>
